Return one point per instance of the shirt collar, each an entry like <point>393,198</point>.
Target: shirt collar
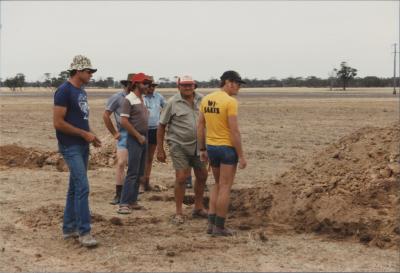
<point>196,97</point>
<point>151,96</point>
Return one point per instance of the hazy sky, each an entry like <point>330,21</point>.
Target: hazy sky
<point>260,39</point>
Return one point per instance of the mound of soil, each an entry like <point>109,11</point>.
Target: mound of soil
<point>52,215</point>
<point>349,190</point>
<point>22,157</point>
<point>16,156</point>
<point>45,216</point>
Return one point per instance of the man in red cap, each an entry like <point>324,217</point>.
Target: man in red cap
<point>134,119</point>
<point>180,116</point>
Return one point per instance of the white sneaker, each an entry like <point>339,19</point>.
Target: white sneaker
<point>87,240</point>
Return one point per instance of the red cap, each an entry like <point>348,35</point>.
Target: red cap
<point>140,78</point>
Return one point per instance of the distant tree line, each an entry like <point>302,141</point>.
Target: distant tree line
<point>53,82</point>
<point>343,77</point>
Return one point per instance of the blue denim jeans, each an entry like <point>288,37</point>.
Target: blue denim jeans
<point>136,163</point>
<point>76,213</point>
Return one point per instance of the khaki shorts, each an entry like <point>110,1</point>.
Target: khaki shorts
<point>181,160</point>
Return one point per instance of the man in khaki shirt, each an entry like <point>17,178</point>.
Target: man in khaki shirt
<point>180,115</point>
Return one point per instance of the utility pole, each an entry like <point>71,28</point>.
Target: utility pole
<point>394,69</point>
<point>399,41</point>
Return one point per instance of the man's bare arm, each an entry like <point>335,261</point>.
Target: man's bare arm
<point>161,156</point>
<point>109,124</point>
<point>201,137</point>
<point>60,124</point>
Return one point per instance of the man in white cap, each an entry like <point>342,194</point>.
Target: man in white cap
<point>180,116</point>
<point>71,121</point>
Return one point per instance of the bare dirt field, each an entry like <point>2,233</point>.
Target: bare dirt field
<point>320,193</point>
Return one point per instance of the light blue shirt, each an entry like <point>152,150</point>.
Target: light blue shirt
<point>154,104</point>
<point>114,105</point>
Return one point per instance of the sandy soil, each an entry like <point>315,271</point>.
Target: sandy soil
<point>280,134</point>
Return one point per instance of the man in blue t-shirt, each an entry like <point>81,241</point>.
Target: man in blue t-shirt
<point>114,106</point>
<point>71,121</point>
<point>154,102</point>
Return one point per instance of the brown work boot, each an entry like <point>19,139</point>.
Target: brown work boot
<point>147,187</point>
<point>210,228</point>
<point>222,232</point>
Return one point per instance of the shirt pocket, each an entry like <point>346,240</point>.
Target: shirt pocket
<point>182,113</point>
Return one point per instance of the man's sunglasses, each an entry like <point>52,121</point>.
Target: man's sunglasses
<point>186,85</point>
<point>88,71</point>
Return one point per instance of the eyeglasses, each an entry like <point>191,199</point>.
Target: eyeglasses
<point>88,71</point>
<point>148,84</point>
<point>186,85</point>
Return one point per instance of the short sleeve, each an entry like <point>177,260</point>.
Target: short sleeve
<point>163,102</point>
<point>126,108</point>
<point>232,108</point>
<point>61,97</point>
<point>202,105</point>
<point>165,116</point>
<point>112,103</point>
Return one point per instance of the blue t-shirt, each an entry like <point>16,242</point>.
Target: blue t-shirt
<point>154,104</point>
<point>75,100</point>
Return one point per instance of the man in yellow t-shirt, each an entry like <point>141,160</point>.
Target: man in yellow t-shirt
<point>218,128</point>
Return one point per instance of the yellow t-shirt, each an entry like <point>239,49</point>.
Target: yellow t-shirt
<point>216,108</point>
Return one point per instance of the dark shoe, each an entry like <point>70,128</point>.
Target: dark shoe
<point>116,200</point>
<point>210,228</point>
<point>147,187</point>
<point>199,213</point>
<point>222,232</point>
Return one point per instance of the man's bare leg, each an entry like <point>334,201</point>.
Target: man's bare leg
<point>212,207</point>
<point>149,164</point>
<point>180,187</point>
<point>212,204</point>
<point>199,185</point>
<point>122,159</point>
<point>227,175</point>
